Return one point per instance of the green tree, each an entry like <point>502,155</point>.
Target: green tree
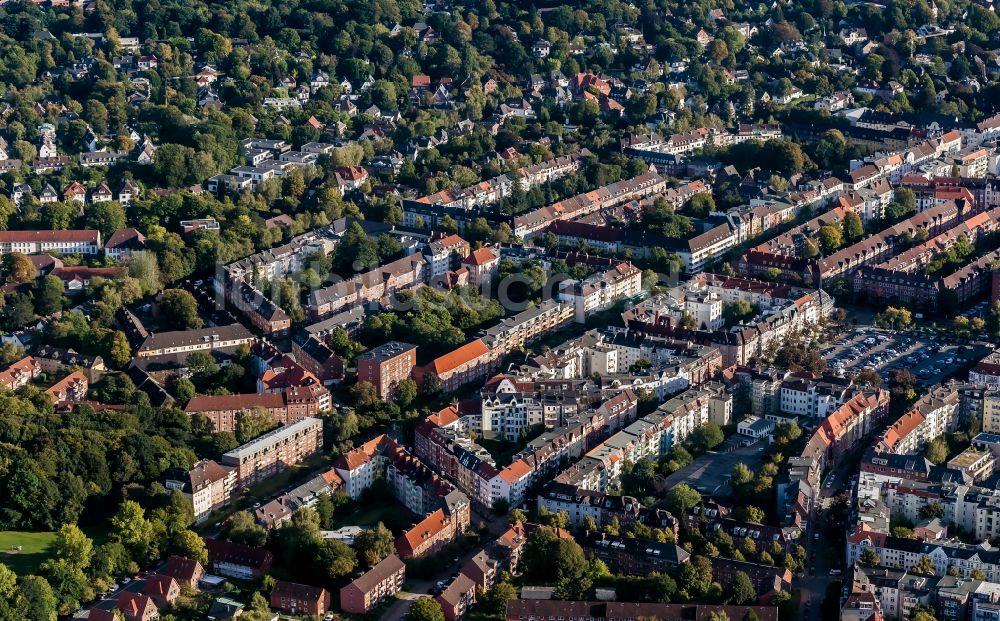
<point>253,424</point>
<point>73,546</point>
<point>48,295</point>
<point>706,437</point>
<point>107,217</point>
<point>243,528</point>
<point>406,392</point>
<point>924,566</point>
<point>869,557</point>
<point>853,228</point>
<point>937,451</point>
<point>741,475</point>
<point>189,544</point>
<point>741,590</point>
<point>179,309</point>
<point>931,511</point>
<point>131,528</point>
<point>36,602</point>
<point>374,544</point>
<point>356,252</point>
<point>682,498</point>
<point>425,609</point>
<point>830,238</point>
<point>17,268</point>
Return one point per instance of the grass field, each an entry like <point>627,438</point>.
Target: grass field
<point>34,550</point>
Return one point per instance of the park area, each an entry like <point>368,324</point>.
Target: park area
<point>23,552</point>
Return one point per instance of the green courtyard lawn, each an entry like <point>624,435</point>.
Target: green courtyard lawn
<point>35,549</point>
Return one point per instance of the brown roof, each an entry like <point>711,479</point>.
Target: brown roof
<point>293,590</point>
<point>123,236</point>
<point>382,570</point>
<point>459,587</point>
<point>134,604</point>
<point>23,237</point>
<point>249,401</point>
<point>481,257</point>
<point>238,554</point>
<point>180,338</point>
<point>182,568</point>
<point>206,472</point>
<point>159,585</point>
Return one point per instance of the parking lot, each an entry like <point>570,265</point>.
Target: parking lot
<point>931,358</point>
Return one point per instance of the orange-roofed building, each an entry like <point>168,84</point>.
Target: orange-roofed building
<point>469,363</point>
<point>69,390</point>
<point>164,590</point>
<point>483,265</point>
<point>445,417</point>
<point>359,468</point>
<point>847,426</point>
<point>429,535</point>
<point>137,607</point>
<point>20,373</point>
<point>511,483</point>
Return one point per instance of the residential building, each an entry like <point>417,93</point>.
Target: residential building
<point>468,363</point>
<point>430,534</point>
<point>137,607</point>
<point>600,291</point>
<point>386,365</point>
<point>61,242</point>
<point>275,451</point>
<point>208,485</point>
<point>237,560</point>
<point>286,406</point>
<point>187,572</point>
<point>383,580</point>
<point>299,599</point>
<point>69,390</point>
<point>457,597</point>
<point>164,590</point>
<point>202,339</point>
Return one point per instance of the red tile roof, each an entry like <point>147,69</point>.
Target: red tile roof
<point>463,355</point>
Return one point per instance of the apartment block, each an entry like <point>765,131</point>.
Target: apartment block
<point>386,365</point>
<point>275,451</point>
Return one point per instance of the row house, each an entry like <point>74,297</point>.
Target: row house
<point>468,363</point>
<point>498,188</point>
<point>287,406</point>
<point>535,222</point>
<point>69,390</point>
<point>226,338</point>
<point>431,534</point>
<point>237,560</point>
<point>371,286</point>
<point>847,427</point>
<point>315,356</point>
<point>527,326</point>
<point>20,373</point>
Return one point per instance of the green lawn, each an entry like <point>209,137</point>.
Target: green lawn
<point>394,518</point>
<point>34,550</point>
